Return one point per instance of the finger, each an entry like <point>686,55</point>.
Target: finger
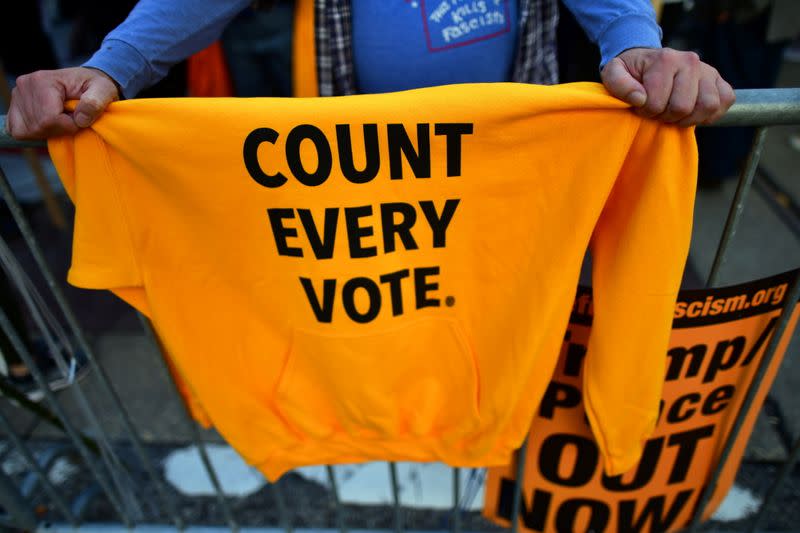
<point>39,107</point>
<point>657,82</point>
<point>93,102</point>
<point>60,125</point>
<point>621,84</point>
<point>46,112</point>
<point>53,126</point>
<point>15,122</point>
<point>726,99</point>
<point>707,104</point>
<point>684,96</point>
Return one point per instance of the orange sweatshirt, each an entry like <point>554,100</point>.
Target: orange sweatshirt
<point>390,276</point>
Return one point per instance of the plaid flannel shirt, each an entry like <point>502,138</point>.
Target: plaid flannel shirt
<point>535,60</point>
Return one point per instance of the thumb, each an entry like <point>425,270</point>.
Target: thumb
<point>94,100</point>
<point>620,83</point>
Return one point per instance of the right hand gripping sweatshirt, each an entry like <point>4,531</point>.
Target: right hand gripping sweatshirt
<point>390,276</point>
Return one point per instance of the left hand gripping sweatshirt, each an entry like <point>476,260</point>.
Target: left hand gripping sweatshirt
<point>390,276</point>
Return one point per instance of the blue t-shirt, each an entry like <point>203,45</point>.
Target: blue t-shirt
<point>404,44</point>
<point>158,34</point>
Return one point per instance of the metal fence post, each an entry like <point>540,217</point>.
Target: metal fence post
<point>212,474</point>
<point>16,342</point>
<point>398,521</point>
<point>280,502</point>
<point>788,308</point>
<point>335,495</point>
<point>72,322</point>
<point>48,486</point>
<point>522,455</point>
<point>198,442</point>
<point>456,500</point>
<point>15,505</point>
<point>737,206</point>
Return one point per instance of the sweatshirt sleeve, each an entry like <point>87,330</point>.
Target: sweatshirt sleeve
<point>103,254</point>
<point>617,25</point>
<point>158,34</point>
<point>639,249</point>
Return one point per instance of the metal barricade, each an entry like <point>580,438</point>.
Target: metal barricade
<point>113,476</point>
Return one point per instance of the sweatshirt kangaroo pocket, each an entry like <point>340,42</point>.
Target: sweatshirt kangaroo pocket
<point>418,380</point>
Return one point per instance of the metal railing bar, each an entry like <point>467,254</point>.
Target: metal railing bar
<point>763,107</point>
<point>17,344</point>
<point>42,415</point>
<point>786,468</point>
<point>456,500</point>
<point>212,474</point>
<point>72,322</point>
<point>15,505</point>
<point>780,327</point>
<point>46,461</point>
<point>516,505</point>
<point>84,498</point>
<point>753,107</point>
<point>7,141</point>
<point>737,206</point>
<point>283,513</point>
<point>40,318</point>
<point>474,481</point>
<point>335,496</point>
<point>398,522</point>
<point>23,449</point>
<point>195,432</point>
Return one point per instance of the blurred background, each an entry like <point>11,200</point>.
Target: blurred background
<point>753,44</point>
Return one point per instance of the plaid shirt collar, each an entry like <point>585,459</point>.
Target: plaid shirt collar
<point>535,61</point>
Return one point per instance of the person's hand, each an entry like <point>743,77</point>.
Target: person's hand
<point>668,85</point>
<point>37,102</point>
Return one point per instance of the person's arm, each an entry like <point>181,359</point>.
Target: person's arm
<point>617,25</point>
<point>662,83</point>
<point>135,55</point>
<point>158,34</point>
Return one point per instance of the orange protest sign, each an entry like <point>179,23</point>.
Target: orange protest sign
<point>718,340</point>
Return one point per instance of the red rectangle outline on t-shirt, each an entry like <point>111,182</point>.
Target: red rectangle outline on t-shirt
<point>422,11</point>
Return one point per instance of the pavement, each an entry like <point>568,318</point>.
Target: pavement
<point>768,242</point>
